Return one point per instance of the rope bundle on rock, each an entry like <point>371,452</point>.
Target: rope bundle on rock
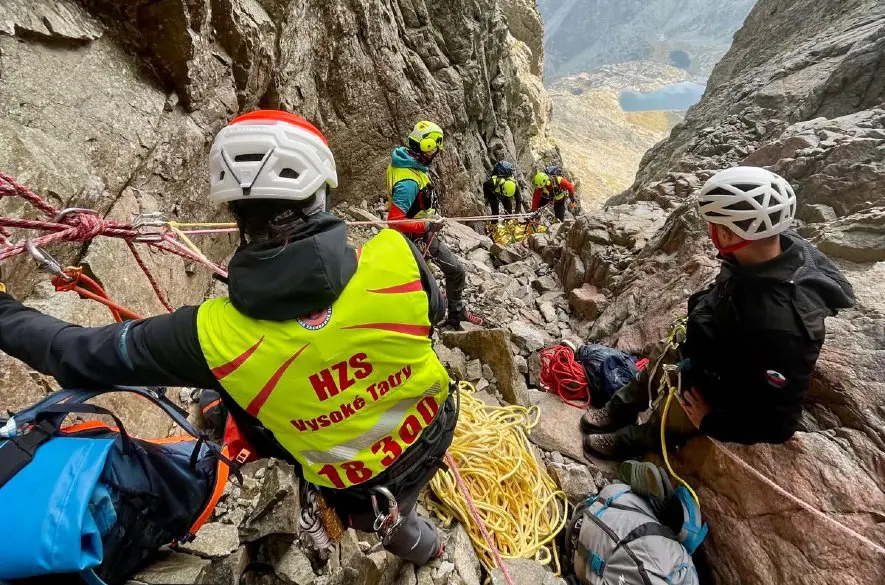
<point>516,499</point>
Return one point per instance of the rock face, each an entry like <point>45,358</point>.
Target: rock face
<point>584,34</point>
<point>113,105</point>
<point>800,92</point>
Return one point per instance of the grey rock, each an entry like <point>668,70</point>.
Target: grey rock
<point>474,370</point>
<point>526,337</point>
<point>294,568</point>
<point>492,346</point>
<point>277,508</point>
<point>522,572</point>
<point>487,372</point>
<point>558,428</point>
<point>172,568</point>
<point>549,314</point>
<point>453,359</point>
<point>464,556</point>
<point>575,479</point>
<point>214,540</point>
<point>508,254</point>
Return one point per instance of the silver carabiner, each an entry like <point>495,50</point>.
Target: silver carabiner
<point>45,261</point>
<point>386,524</point>
<point>69,210</point>
<point>152,219</point>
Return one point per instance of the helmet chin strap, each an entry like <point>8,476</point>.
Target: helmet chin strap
<point>725,250</point>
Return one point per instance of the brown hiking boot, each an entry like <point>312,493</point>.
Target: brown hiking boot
<point>604,446</point>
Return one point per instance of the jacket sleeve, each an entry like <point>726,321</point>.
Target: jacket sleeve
<point>488,190</point>
<point>404,194</point>
<point>536,199</point>
<point>159,351</point>
<point>568,186</point>
<point>517,200</point>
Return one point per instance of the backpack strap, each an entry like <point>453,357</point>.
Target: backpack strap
<point>647,529</point>
<point>17,452</point>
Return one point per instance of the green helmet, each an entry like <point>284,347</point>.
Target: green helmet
<point>542,180</point>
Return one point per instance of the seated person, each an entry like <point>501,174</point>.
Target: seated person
<point>753,336</point>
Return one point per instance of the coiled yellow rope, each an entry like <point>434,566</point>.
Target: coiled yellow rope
<point>520,504</point>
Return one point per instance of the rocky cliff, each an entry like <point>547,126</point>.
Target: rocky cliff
<point>802,91</point>
<point>113,105</point>
<point>583,35</point>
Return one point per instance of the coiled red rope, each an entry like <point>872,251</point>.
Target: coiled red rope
<point>564,376</point>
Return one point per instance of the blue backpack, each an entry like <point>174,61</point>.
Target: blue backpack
<point>607,370</point>
<point>90,503</point>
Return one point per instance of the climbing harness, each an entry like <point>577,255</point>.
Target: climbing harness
<point>564,376</point>
<point>518,509</point>
<point>387,523</point>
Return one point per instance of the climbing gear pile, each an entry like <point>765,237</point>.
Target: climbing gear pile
<point>564,376</point>
<point>516,500</point>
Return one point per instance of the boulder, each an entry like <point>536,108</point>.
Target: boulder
<point>465,238</point>
<point>214,540</point>
<point>558,429</point>
<point>525,572</point>
<point>293,567</point>
<point>276,510</point>
<point>464,556</point>
<point>526,337</point>
<point>172,568</point>
<point>587,301</point>
<point>492,347</point>
<point>508,254</point>
<point>575,479</point>
<point>453,359</point>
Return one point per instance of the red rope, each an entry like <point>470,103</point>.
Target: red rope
<point>564,376</point>
<point>81,226</point>
<point>138,260</point>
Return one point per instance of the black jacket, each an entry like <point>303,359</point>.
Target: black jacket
<point>267,281</point>
<point>754,336</point>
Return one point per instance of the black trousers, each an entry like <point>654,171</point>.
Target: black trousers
<point>452,270</point>
<point>417,540</point>
<point>558,207</point>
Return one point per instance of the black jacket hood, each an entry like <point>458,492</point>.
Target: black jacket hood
<point>803,264</point>
<point>281,281</point>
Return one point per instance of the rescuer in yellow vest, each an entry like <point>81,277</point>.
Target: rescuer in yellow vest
<point>412,195</point>
<point>321,353</point>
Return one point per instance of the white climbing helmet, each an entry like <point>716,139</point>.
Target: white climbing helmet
<point>752,202</point>
<point>269,154</point>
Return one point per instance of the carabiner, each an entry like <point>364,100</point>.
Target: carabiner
<point>45,261</point>
<point>69,210</point>
<point>386,524</point>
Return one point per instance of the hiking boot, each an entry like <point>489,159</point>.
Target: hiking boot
<point>457,316</point>
<point>600,420</point>
<point>646,479</point>
<point>604,446</point>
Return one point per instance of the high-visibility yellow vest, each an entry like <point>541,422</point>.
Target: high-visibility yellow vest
<point>397,174</point>
<point>345,390</point>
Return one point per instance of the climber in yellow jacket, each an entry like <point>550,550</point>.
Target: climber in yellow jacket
<point>321,353</point>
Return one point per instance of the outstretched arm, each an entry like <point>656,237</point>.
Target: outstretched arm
<point>159,351</point>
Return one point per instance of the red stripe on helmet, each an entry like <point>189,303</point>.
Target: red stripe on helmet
<point>278,116</point>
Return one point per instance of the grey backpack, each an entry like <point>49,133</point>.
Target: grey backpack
<point>614,539</point>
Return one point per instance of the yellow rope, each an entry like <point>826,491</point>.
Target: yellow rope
<point>519,502</point>
<point>679,327</point>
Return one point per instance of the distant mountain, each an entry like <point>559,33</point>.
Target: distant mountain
<point>583,35</point>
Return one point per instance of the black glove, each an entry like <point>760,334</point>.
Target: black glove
<point>434,225</point>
